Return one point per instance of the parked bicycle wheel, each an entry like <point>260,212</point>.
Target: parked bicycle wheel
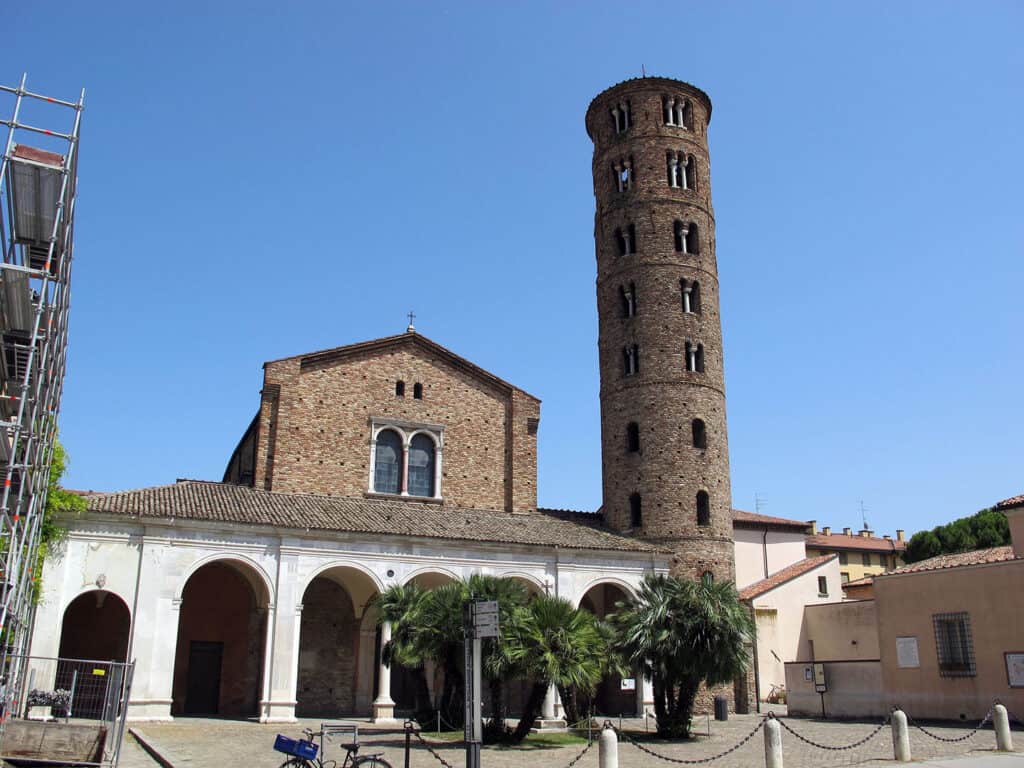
<point>296,762</point>
<point>370,761</point>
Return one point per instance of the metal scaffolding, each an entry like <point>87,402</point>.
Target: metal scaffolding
<point>38,175</point>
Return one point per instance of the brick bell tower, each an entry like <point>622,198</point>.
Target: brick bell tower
<point>665,454</point>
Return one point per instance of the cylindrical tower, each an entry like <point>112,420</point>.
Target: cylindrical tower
<point>665,456</point>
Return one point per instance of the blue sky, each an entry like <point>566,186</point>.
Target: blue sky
<point>259,180</point>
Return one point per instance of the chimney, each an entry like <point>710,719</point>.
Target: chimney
<point>899,534</point>
<point>827,530</point>
<point>886,536</point>
<point>847,531</point>
<point>864,532</point>
<point>814,527</point>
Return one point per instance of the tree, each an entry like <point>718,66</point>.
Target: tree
<point>59,504</point>
<point>984,529</point>
<point>550,642</point>
<point>683,633</point>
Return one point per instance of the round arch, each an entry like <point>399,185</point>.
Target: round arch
<point>625,586</point>
<point>93,588</point>
<point>535,585</point>
<point>361,570</point>
<point>430,576</point>
<point>262,585</point>
<point>94,633</point>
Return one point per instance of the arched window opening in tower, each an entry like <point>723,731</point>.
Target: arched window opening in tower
<point>627,297</point>
<point>691,296</point>
<point>633,437</point>
<point>676,174</point>
<point>421,466</point>
<point>625,240</point>
<point>707,577</point>
<point>622,116</point>
<point>631,360</point>
<point>623,173</point>
<point>700,434</point>
<point>417,391</point>
<point>636,516</point>
<point>690,173</point>
<point>677,111</point>
<point>399,388</point>
<point>387,465</point>
<point>703,508</point>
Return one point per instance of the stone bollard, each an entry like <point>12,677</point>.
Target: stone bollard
<point>608,749</point>
<point>1001,723</point>
<point>900,737</point>
<point>772,743</point>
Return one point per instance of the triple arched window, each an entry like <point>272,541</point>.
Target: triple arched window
<point>682,170</point>
<point>622,171</point>
<point>677,111</point>
<point>622,116</point>
<point>405,460</point>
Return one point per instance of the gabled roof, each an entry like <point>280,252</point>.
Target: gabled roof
<point>855,543</point>
<point>787,574</point>
<point>743,519</point>
<point>400,341</point>
<point>224,503</point>
<point>957,560</point>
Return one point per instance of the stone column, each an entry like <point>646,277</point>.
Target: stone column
<point>670,111</point>
<point>384,705</point>
<point>618,175</point>
<point>547,710</point>
<point>673,170</point>
<point>403,470</point>
<point>686,297</point>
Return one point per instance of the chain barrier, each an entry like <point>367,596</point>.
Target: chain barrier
<point>425,743</point>
<point>830,747</point>
<point>679,760</point>
<point>581,754</point>
<point>955,739</point>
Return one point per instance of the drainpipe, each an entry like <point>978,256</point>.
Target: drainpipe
<point>764,548</point>
<point>135,597</point>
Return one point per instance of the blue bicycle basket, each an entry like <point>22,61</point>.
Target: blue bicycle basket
<point>295,747</point>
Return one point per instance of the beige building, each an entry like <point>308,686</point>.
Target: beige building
<point>860,554</point>
<point>949,634</point>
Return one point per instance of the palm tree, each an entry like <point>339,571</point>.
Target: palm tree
<point>402,606</point>
<point>683,633</point>
<point>549,642</point>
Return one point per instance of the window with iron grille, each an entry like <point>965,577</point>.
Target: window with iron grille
<point>953,644</point>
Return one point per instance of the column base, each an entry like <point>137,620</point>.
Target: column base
<point>277,712</point>
<point>384,711</point>
<point>150,711</point>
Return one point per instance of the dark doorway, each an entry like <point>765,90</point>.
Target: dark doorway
<point>202,696</point>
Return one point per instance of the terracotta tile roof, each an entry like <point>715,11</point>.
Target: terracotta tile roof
<point>788,573</point>
<point>1010,503</point>
<point>742,518</point>
<point>221,502</point>
<point>855,543</point>
<point>957,560</point>
<point>862,582</point>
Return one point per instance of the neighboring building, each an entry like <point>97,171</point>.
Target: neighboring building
<point>950,638</point>
<point>395,461</point>
<point>765,545</point>
<point>778,604</point>
<point>860,554</point>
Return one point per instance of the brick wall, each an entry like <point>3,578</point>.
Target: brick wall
<point>663,398</point>
<point>315,424</point>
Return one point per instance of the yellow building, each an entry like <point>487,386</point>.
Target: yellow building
<point>860,554</point>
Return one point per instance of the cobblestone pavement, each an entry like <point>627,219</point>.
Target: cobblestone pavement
<point>202,742</point>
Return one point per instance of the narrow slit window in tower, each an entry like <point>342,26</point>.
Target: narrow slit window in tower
<point>636,517</point>
<point>399,388</point>
<point>633,437</point>
<point>631,359</point>
<point>627,295</point>
<point>700,434</point>
<point>625,240</point>
<point>417,391</point>
<point>703,508</point>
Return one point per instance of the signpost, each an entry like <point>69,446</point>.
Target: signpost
<point>479,620</point>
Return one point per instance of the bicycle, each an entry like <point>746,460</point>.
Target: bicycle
<point>303,753</point>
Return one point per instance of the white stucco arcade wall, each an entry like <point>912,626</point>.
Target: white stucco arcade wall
<point>148,565</point>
